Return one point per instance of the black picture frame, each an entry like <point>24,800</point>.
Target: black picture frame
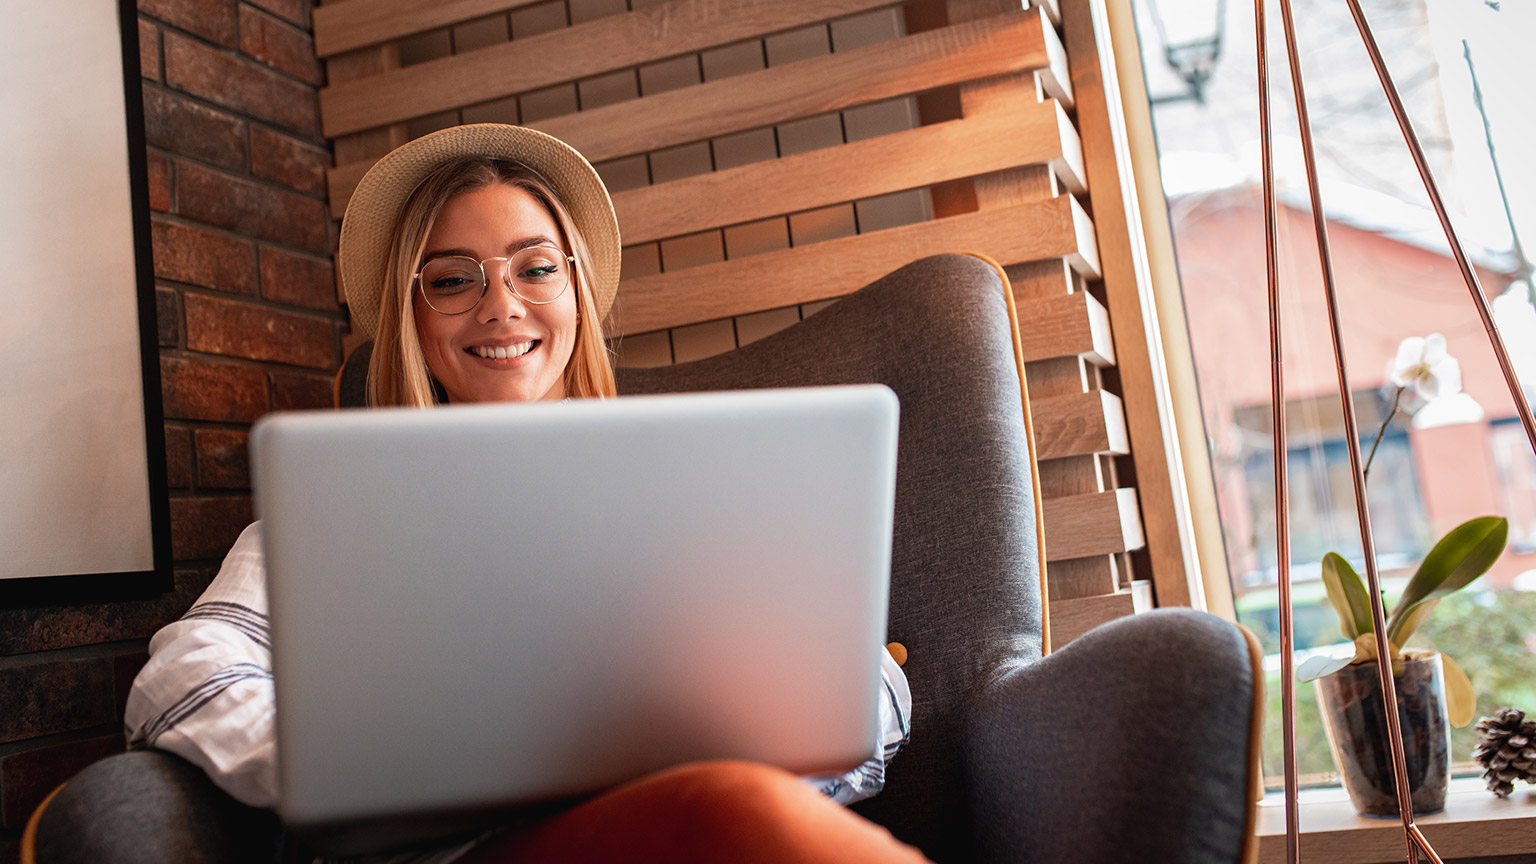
<point>74,589</point>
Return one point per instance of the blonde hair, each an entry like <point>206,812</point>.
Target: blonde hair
<point>397,372</point>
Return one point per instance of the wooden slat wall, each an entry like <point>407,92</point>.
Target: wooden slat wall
<point>767,156</point>
<point>1090,522</point>
<point>1169,557</point>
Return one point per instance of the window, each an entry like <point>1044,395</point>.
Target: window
<point>1321,490</point>
<point>1516,469</point>
<point>1395,278</point>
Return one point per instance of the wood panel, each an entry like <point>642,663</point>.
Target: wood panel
<point>1048,76</point>
<point>369,22</point>
<point>368,145</point>
<point>1072,618</point>
<point>860,169</point>
<point>886,70</point>
<point>1047,229</point>
<point>1177,356</point>
<point>1069,325</point>
<point>1099,523</point>
<point>1076,578</point>
<point>1175,574</point>
<point>1079,425</point>
<point>604,45</point>
<point>1075,475</point>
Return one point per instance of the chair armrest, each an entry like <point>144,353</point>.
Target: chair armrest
<point>1136,742</point>
<point>149,806</point>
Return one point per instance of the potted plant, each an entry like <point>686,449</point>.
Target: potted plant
<point>1432,690</point>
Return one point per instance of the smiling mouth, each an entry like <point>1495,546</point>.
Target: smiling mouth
<point>502,352</point>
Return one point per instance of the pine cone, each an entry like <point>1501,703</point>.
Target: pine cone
<point>1506,750</point>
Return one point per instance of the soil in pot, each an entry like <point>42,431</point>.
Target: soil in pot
<point>1353,715</point>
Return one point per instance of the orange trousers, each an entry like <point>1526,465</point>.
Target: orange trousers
<point>706,812</point>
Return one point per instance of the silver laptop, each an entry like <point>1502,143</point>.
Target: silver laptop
<point>483,606</point>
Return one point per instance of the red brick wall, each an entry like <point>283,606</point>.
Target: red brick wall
<point>248,323</point>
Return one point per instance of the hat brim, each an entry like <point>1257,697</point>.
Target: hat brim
<point>375,207</point>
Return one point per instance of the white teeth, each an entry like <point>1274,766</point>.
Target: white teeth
<point>495,353</point>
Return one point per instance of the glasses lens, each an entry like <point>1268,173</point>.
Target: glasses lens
<point>452,285</point>
<point>540,273</point>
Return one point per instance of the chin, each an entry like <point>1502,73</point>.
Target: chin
<point>506,393</point>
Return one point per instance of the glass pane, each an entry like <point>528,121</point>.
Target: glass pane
<point>1438,461</point>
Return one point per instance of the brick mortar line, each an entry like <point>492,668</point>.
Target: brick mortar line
<point>94,651</point>
<point>278,130</point>
<point>320,197</point>
<point>306,27</point>
<point>203,563</point>
<point>160,49</point>
<point>260,10</point>
<point>231,112</point>
<point>228,360</point>
<point>181,289</point>
<point>185,288</point>
<point>266,366</point>
<point>188,222</point>
<point>250,122</point>
<point>236,52</point>
<point>222,494</point>
<point>27,745</point>
<point>210,425</point>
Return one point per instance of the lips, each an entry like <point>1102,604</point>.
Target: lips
<point>502,352</point>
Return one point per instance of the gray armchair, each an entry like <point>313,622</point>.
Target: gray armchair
<point>1134,743</point>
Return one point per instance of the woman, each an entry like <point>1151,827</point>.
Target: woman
<point>482,259</point>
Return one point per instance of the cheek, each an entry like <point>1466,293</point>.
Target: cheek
<point>568,323</point>
<point>432,333</point>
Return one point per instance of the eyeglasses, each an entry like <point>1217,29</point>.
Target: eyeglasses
<point>454,284</point>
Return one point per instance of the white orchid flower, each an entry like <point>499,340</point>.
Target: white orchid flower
<point>1423,364</point>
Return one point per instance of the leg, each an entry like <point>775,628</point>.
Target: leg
<point>705,812</point>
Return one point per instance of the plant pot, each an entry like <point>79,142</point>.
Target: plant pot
<point>1353,716</point>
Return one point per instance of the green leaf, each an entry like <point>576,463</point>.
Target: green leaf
<point>1462,555</point>
<point>1400,628</point>
<point>1460,699</point>
<point>1347,594</point>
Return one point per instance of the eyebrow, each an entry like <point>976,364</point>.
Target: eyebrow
<point>519,246</point>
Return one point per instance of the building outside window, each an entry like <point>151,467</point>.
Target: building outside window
<point>1395,278</point>
<point>1516,469</point>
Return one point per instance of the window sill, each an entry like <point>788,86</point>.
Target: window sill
<point>1473,824</point>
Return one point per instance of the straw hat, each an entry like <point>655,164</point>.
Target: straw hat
<point>376,205</point>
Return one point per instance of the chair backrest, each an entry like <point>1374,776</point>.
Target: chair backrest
<point>965,572</point>
<point>965,566</point>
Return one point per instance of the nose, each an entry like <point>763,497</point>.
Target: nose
<point>500,301</point>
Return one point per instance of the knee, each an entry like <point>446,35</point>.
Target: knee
<point>729,784</point>
<point>732,802</point>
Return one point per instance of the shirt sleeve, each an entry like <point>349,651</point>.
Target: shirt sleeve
<point>206,693</point>
<point>895,727</point>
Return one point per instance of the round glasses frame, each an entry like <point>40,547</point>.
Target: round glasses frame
<point>485,279</point>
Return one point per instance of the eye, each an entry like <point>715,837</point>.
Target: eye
<point>539,270</point>
<point>450,284</point>
<point>450,276</point>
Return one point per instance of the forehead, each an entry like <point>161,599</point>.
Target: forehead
<point>494,216</point>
